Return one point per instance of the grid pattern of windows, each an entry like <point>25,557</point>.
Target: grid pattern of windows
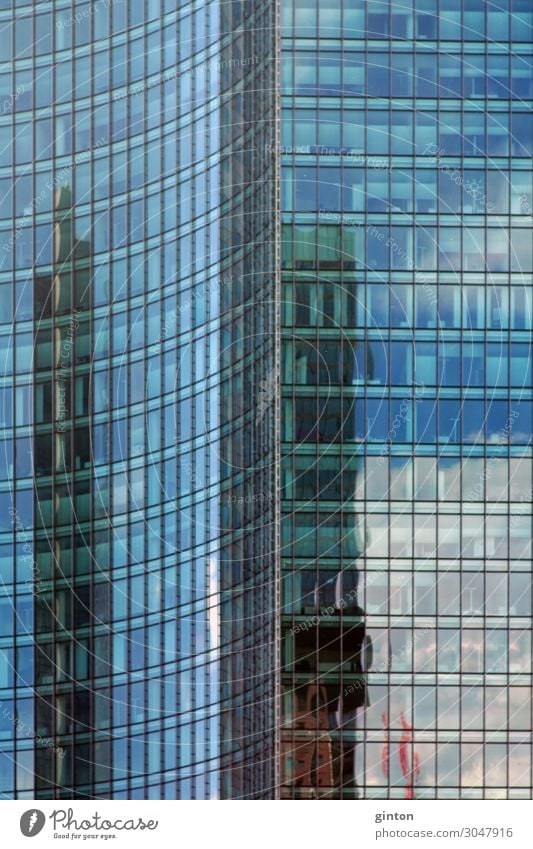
<point>249,408</point>
<point>407,262</point>
<point>110,177</point>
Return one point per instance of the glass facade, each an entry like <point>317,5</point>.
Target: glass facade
<point>109,143</point>
<point>266,276</point>
<point>126,300</point>
<point>406,380</point>
<point>249,403</point>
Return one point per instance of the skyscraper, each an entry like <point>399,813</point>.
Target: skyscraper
<point>265,293</point>
<point>130,595</point>
<point>406,392</point>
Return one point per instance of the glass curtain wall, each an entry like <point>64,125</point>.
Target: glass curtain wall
<point>249,400</point>
<point>407,399</point>
<point>109,176</point>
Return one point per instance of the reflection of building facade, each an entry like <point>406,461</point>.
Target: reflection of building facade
<point>64,697</point>
<point>407,405</point>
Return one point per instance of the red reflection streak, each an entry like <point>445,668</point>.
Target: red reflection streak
<point>410,773</point>
<point>385,755</point>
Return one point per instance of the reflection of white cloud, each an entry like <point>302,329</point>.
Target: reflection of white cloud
<point>522,437</point>
<point>519,766</point>
<point>472,767</point>
<point>214,618</point>
<point>214,654</point>
<point>473,435</point>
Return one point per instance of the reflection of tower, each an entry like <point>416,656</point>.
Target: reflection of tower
<point>319,751</point>
<point>325,652</point>
<point>313,758</point>
<point>65,638</point>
